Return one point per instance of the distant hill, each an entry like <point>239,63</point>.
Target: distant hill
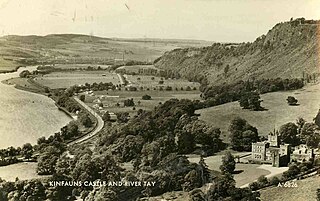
<point>76,48</point>
<point>289,49</point>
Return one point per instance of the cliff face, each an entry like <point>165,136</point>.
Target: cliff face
<point>288,50</point>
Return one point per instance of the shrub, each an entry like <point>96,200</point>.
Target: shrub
<point>292,100</point>
<point>146,97</point>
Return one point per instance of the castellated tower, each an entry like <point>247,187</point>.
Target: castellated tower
<point>273,139</point>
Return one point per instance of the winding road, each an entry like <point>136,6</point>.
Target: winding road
<point>99,126</point>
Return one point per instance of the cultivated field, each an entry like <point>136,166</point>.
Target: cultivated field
<point>80,66</point>
<point>277,112</point>
<point>111,98</point>
<point>67,79</point>
<point>153,82</point>
<point>306,191</point>
<point>135,68</point>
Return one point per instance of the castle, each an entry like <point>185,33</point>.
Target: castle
<point>270,152</point>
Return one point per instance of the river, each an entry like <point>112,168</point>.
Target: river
<point>26,116</point>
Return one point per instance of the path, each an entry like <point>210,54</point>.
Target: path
<point>122,79</point>
<point>99,126</point>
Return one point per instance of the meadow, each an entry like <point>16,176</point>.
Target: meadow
<point>8,65</point>
<point>23,171</point>
<point>277,112</point>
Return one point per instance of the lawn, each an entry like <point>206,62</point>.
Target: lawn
<point>306,191</point>
<point>67,79</point>
<point>277,112</point>
<point>247,173</point>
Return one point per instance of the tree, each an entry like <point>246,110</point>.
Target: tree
<point>274,180</point>
<point>310,135</point>
<point>86,120</point>
<point>291,172</point>
<point>48,158</point>
<point>27,150</point>
<point>128,102</point>
<point>318,194</point>
<point>186,143</point>
<point>24,74</point>
<point>82,97</point>
<point>122,117</point>
<point>228,163</point>
<point>204,171</point>
<point>242,134</point>
<point>106,117</point>
<point>146,97</point>
<point>317,119</point>
<point>250,100</point>
<point>292,100</point>
<point>288,134</point>
<point>196,195</point>
<point>222,188</point>
<point>263,181</point>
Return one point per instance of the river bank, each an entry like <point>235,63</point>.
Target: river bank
<point>26,116</point>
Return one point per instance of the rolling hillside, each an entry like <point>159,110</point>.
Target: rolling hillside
<point>75,48</point>
<point>289,49</point>
<point>277,112</point>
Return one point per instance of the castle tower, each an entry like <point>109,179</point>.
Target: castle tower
<point>273,139</point>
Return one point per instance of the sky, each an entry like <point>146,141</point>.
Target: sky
<point>213,20</point>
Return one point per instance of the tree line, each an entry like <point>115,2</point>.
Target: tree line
<point>217,95</point>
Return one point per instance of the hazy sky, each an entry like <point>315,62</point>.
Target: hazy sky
<point>216,20</point>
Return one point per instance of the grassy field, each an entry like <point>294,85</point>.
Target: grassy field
<point>111,98</point>
<point>24,84</point>
<point>277,112</point>
<point>147,82</point>
<point>80,66</point>
<point>306,191</point>
<point>67,79</point>
<point>24,171</point>
<point>7,65</point>
<point>135,68</point>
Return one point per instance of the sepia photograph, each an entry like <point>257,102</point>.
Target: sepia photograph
<point>160,100</point>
